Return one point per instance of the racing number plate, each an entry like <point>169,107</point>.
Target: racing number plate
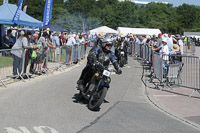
<point>106,73</point>
<point>122,52</point>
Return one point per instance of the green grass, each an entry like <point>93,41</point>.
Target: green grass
<point>6,61</point>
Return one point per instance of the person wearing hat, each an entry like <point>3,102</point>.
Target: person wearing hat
<point>175,48</point>
<point>165,54</point>
<point>165,50</point>
<point>159,43</point>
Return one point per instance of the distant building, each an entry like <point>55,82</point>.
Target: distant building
<point>140,3</point>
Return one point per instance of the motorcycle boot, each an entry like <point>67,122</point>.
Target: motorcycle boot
<point>81,85</point>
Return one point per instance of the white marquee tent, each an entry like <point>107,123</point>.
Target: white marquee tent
<point>103,29</point>
<point>138,31</point>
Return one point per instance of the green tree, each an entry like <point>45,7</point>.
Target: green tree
<point>187,16</point>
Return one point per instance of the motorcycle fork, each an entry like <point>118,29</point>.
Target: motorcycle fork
<point>98,85</point>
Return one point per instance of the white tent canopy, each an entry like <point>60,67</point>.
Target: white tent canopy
<point>103,29</point>
<point>138,31</point>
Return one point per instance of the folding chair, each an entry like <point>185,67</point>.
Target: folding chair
<point>173,73</point>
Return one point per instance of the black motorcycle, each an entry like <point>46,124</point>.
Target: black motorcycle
<point>95,91</point>
<point>121,57</point>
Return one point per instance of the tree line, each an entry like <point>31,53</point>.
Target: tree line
<point>112,13</point>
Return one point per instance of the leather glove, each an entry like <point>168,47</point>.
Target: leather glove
<point>117,68</point>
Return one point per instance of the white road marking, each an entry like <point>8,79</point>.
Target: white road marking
<point>12,130</point>
<point>165,95</point>
<point>38,129</point>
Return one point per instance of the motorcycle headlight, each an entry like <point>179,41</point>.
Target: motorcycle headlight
<point>96,74</point>
<point>109,80</point>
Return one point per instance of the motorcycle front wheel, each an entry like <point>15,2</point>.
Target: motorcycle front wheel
<point>121,61</point>
<point>97,98</point>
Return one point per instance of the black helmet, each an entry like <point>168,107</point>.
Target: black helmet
<point>107,42</point>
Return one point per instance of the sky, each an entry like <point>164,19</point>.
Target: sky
<point>177,2</point>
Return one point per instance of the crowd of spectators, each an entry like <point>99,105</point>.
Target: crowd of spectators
<point>36,43</point>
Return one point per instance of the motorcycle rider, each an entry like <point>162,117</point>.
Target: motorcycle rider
<point>122,44</point>
<point>99,56</point>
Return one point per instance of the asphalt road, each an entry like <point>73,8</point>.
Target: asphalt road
<point>49,105</point>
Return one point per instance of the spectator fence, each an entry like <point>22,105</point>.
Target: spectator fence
<point>53,59</point>
<point>181,70</point>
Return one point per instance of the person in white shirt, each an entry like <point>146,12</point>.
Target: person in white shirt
<point>169,42</point>
<point>165,50</point>
<point>71,41</point>
<point>180,43</point>
<point>165,55</point>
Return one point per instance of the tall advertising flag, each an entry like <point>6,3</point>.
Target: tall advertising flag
<point>47,13</point>
<point>25,8</point>
<point>83,27</point>
<point>17,13</point>
<point>5,1</point>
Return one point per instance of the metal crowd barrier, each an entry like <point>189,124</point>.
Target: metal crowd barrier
<point>6,65</point>
<point>52,59</point>
<point>189,71</point>
<point>180,70</point>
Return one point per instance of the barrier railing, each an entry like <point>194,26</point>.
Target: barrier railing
<point>181,70</point>
<point>188,74</point>
<point>52,59</point>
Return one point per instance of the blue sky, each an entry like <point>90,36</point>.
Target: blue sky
<point>177,2</point>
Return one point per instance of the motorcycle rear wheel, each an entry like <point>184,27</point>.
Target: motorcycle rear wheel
<point>97,99</point>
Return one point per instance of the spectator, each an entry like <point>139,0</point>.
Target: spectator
<point>159,43</point>
<point>62,38</point>
<point>66,37</point>
<point>17,51</point>
<point>169,41</point>
<point>143,40</point>
<point>82,43</point>
<point>185,40</point>
<point>29,52</point>
<point>165,55</point>
<point>7,43</point>
<point>85,45</point>
<point>180,43</point>
<point>33,43</point>
<point>71,41</point>
<point>42,43</point>
<point>10,36</point>
<point>165,50</point>
<point>56,43</point>
<point>77,48</point>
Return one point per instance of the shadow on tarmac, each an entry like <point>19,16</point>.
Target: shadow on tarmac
<point>77,99</point>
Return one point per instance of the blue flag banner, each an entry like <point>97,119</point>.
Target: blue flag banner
<point>83,27</point>
<point>17,13</point>
<point>5,1</point>
<point>47,13</point>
